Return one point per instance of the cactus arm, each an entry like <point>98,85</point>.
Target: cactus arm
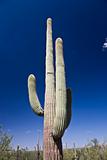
<point>33,98</point>
<point>68,106</point>
<point>60,120</point>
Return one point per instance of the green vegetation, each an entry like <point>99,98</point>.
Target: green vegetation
<point>86,153</point>
<point>91,151</point>
<point>5,148</point>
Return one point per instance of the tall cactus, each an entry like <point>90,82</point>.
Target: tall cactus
<point>57,109</point>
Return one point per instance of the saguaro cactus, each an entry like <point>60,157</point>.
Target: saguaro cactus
<point>18,153</point>
<point>57,109</point>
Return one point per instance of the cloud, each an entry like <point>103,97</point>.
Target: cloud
<point>89,132</point>
<point>28,132</point>
<point>9,130</point>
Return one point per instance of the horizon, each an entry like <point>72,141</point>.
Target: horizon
<point>83,28</point>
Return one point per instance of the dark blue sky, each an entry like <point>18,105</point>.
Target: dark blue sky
<point>83,27</point>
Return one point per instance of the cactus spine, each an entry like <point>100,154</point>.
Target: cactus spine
<point>57,109</point>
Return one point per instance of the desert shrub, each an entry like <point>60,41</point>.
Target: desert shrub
<point>5,145</point>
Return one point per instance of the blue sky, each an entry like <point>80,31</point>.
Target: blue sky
<point>83,27</point>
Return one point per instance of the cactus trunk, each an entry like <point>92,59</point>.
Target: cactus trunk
<point>52,149</point>
<point>57,109</point>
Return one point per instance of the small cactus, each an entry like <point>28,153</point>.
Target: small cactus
<point>57,109</point>
<point>18,153</point>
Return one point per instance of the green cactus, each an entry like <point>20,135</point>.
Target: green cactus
<point>57,109</point>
